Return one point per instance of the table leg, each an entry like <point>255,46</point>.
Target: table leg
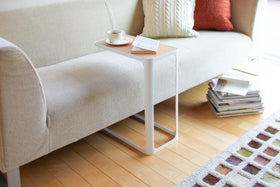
<point>149,108</point>
<point>176,94</point>
<point>149,148</point>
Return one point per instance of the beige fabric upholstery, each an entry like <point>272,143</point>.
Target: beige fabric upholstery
<point>248,18</point>
<point>23,127</point>
<point>57,32</point>
<point>209,55</point>
<point>90,93</point>
<point>244,15</point>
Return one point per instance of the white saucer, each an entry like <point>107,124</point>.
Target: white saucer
<point>123,42</point>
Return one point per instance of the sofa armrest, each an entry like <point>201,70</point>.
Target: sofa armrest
<point>23,112</point>
<point>247,16</point>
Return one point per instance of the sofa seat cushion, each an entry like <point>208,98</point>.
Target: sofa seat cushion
<point>89,93</point>
<point>210,54</point>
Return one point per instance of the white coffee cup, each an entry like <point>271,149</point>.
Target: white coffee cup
<point>116,36</point>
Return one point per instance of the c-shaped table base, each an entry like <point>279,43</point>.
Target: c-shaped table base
<point>148,150</point>
<point>148,62</point>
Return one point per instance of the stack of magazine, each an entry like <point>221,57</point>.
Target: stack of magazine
<point>232,96</point>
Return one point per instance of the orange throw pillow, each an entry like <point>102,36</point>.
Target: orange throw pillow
<point>212,14</point>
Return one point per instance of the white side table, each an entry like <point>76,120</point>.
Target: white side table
<point>148,61</point>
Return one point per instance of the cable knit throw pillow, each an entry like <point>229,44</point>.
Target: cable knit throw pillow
<point>168,18</point>
<point>212,14</point>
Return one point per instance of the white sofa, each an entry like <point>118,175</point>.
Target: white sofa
<point>57,87</point>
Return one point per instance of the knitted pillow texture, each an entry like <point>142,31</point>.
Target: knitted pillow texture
<point>168,18</point>
<point>212,14</point>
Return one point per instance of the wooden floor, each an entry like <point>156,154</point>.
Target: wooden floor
<point>100,160</point>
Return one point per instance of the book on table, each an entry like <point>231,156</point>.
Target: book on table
<point>233,102</point>
<point>143,45</point>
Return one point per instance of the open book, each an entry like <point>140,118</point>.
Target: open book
<point>143,45</point>
<point>232,85</point>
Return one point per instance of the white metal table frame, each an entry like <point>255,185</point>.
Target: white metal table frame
<point>148,61</point>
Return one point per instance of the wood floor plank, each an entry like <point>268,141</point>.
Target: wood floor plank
<point>129,163</point>
<point>162,167</point>
<point>178,179</point>
<point>26,181</point>
<point>63,172</point>
<point>136,135</point>
<point>178,161</point>
<point>86,170</point>
<point>246,125</point>
<point>135,132</point>
<point>187,123</point>
<point>39,175</point>
<point>27,178</point>
<point>108,166</point>
<point>206,137</point>
<point>189,153</point>
<point>197,144</point>
<point>233,129</point>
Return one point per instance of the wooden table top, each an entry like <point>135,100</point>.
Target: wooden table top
<point>162,49</point>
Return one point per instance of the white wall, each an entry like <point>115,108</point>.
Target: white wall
<point>15,4</point>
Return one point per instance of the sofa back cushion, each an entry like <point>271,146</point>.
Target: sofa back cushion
<point>54,31</point>
<point>212,14</point>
